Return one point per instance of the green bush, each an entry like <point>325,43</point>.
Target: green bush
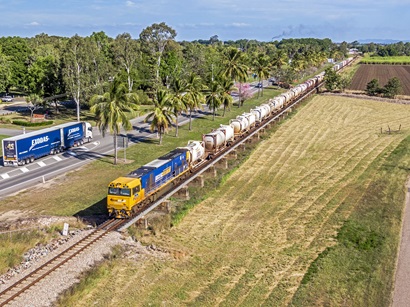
<point>29,124</point>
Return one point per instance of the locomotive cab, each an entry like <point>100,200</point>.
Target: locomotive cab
<point>123,194</point>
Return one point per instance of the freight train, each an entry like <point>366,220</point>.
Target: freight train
<point>131,192</point>
<point>25,148</point>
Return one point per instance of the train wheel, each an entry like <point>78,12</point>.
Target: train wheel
<point>31,159</point>
<point>28,161</point>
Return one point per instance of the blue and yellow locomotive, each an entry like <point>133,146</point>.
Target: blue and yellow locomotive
<point>126,193</point>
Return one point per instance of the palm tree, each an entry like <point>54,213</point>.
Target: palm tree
<point>279,59</point>
<point>194,96</point>
<point>177,100</point>
<point>235,69</point>
<point>261,67</point>
<point>161,115</point>
<point>227,86</point>
<point>213,98</point>
<point>111,110</point>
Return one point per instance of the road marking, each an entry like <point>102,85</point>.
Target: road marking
<point>5,176</point>
<point>41,164</point>
<point>57,158</point>
<point>24,169</point>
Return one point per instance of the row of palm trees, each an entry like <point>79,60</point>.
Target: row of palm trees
<point>112,109</point>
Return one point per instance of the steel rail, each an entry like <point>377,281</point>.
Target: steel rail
<point>59,260</point>
<point>204,166</point>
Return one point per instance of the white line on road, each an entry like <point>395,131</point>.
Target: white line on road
<point>5,176</point>
<point>41,163</point>
<point>24,169</point>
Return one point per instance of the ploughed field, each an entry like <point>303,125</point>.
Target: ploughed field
<point>381,72</point>
<point>254,238</point>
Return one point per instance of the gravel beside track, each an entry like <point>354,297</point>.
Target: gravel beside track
<point>47,291</point>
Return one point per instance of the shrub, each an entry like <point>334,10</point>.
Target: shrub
<point>29,124</point>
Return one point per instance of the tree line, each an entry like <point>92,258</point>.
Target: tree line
<point>113,76</point>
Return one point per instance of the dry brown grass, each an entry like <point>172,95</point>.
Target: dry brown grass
<point>251,242</point>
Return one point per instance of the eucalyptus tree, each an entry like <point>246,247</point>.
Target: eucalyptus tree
<point>44,76</point>
<point>177,100</point>
<point>17,52</point>
<point>33,103</point>
<point>194,96</point>
<point>127,52</point>
<point>112,110</point>
<point>214,97</point>
<point>234,67</point>
<point>101,67</point>
<point>161,116</point>
<point>155,38</point>
<point>76,65</point>
<point>196,58</point>
<point>5,71</point>
<point>261,67</point>
<point>172,63</point>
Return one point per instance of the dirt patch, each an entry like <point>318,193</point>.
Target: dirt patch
<point>382,73</point>
<point>18,221</point>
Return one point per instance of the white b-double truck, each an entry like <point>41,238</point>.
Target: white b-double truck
<point>25,148</point>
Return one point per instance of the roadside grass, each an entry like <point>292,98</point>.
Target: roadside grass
<point>83,192</point>
<point>312,217</point>
<point>1,147</point>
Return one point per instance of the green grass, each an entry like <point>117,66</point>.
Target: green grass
<point>364,257</point>
<point>399,60</point>
<point>1,146</point>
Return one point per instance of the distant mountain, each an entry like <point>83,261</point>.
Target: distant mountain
<point>381,41</point>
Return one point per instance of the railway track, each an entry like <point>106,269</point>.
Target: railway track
<point>205,165</point>
<point>21,286</point>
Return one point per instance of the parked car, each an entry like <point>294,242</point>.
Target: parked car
<point>7,99</point>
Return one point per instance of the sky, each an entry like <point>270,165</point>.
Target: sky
<point>201,19</point>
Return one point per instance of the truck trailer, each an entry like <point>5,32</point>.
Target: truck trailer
<point>25,148</point>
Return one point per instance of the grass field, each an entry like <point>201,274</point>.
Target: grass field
<point>386,60</point>
<point>312,218</point>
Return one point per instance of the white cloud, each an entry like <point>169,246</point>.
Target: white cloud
<point>34,24</point>
<point>239,24</point>
<point>130,3</point>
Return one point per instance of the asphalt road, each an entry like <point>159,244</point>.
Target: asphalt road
<point>15,179</point>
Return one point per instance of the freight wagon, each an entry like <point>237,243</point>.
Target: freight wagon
<point>25,148</point>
